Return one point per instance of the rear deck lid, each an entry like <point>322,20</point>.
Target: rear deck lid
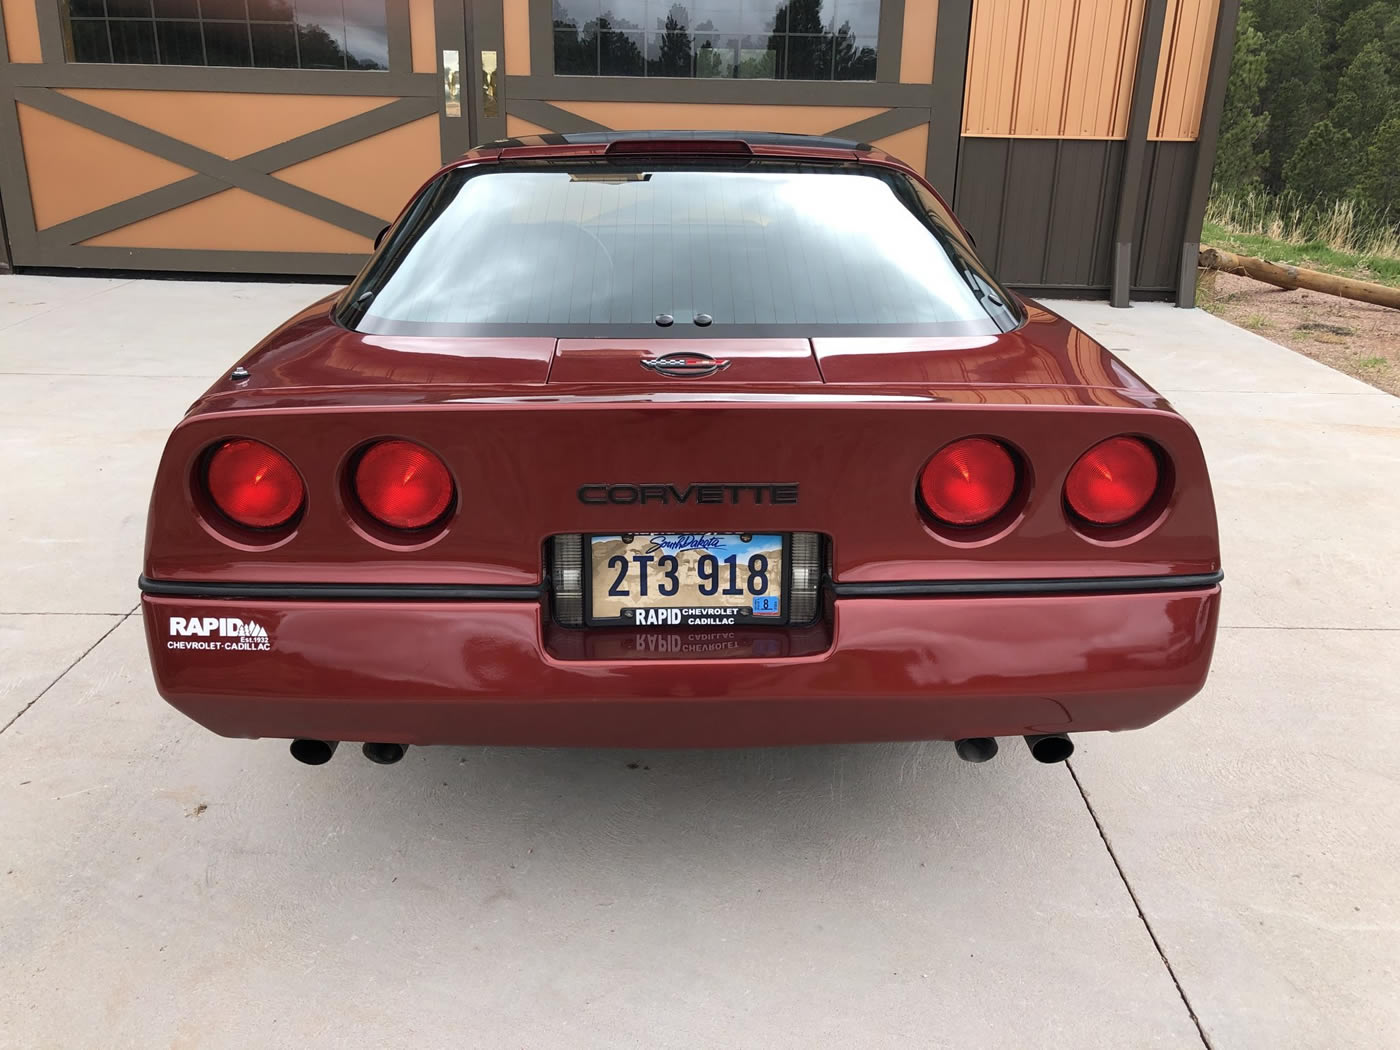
<point>661,363</point>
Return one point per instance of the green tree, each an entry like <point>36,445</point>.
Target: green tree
<point>1379,185</point>
<point>1365,94</point>
<point>1323,164</point>
<point>1293,93</point>
<point>1240,159</point>
<point>1363,27</point>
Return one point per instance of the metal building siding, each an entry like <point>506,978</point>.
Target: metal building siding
<point>1050,68</point>
<point>1041,209</point>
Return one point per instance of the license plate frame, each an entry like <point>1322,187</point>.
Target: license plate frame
<point>744,618</point>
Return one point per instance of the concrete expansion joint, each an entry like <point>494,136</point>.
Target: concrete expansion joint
<point>1151,933</point>
<point>121,619</point>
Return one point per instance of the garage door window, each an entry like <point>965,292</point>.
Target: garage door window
<point>730,39</point>
<point>291,34</point>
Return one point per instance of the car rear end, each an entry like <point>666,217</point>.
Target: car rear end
<point>653,448</point>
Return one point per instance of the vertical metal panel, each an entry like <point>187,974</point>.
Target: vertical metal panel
<point>1079,243</point>
<point>1042,209</point>
<point>890,54</point>
<point>1162,213</point>
<point>946,100</point>
<point>1030,172</point>
<point>486,34</point>
<point>1051,68</point>
<point>979,193</point>
<point>1221,50</point>
<point>451,30</point>
<point>1183,69</point>
<point>1144,77</point>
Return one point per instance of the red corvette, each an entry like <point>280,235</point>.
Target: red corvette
<point>673,439</point>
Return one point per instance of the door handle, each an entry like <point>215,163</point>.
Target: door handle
<point>452,83</point>
<point>489,105</point>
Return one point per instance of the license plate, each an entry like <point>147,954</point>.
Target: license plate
<point>687,579</point>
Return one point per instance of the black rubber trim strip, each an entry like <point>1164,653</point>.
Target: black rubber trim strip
<point>451,592</point>
<point>393,592</point>
<point>973,588</point>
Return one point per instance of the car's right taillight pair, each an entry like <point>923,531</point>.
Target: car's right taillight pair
<point>397,483</point>
<point>973,481</point>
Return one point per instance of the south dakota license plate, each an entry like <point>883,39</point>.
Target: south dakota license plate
<point>686,579</point>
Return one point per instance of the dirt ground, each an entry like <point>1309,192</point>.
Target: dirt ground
<point>1356,338</point>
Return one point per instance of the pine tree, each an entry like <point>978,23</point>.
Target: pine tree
<point>1379,185</point>
<point>1240,162</point>
<point>1322,167</point>
<point>1365,94</point>
<point>1293,94</point>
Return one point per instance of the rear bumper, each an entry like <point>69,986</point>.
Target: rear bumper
<point>497,672</point>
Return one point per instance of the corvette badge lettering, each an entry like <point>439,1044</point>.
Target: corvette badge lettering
<point>775,493</point>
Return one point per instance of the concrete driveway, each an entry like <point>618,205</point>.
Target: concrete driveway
<point>1227,878</point>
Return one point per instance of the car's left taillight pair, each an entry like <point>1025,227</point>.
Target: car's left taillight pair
<point>397,483</point>
<point>976,481</point>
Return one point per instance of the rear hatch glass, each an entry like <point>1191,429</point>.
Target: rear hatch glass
<point>597,248</point>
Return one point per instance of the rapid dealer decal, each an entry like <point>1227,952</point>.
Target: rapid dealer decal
<point>227,633</point>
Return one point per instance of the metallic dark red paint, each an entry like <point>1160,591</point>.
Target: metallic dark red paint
<point>523,423</point>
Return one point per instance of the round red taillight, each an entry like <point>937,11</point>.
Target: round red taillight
<point>969,482</point>
<point>254,485</point>
<point>1112,482</point>
<point>402,484</point>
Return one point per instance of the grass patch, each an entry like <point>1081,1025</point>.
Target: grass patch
<point>1313,255</point>
<point>1339,236</point>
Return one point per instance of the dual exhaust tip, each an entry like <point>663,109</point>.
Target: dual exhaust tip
<point>1048,748</point>
<point>319,752</point>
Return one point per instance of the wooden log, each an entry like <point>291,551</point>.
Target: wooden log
<point>1284,276</point>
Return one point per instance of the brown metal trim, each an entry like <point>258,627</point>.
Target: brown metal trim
<point>551,117</point>
<point>182,153</point>
<point>400,36</point>
<point>1206,142</point>
<point>951,41</point>
<point>133,209</point>
<point>223,78</point>
<point>450,21</point>
<point>274,158</point>
<point>889,41</point>
<point>541,39</point>
<point>50,32</point>
<point>488,33</point>
<point>192,260</point>
<point>741,92</point>
<point>1139,121</point>
<point>890,122</point>
<point>9,143</point>
<point>341,133</point>
<point>14,178</point>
